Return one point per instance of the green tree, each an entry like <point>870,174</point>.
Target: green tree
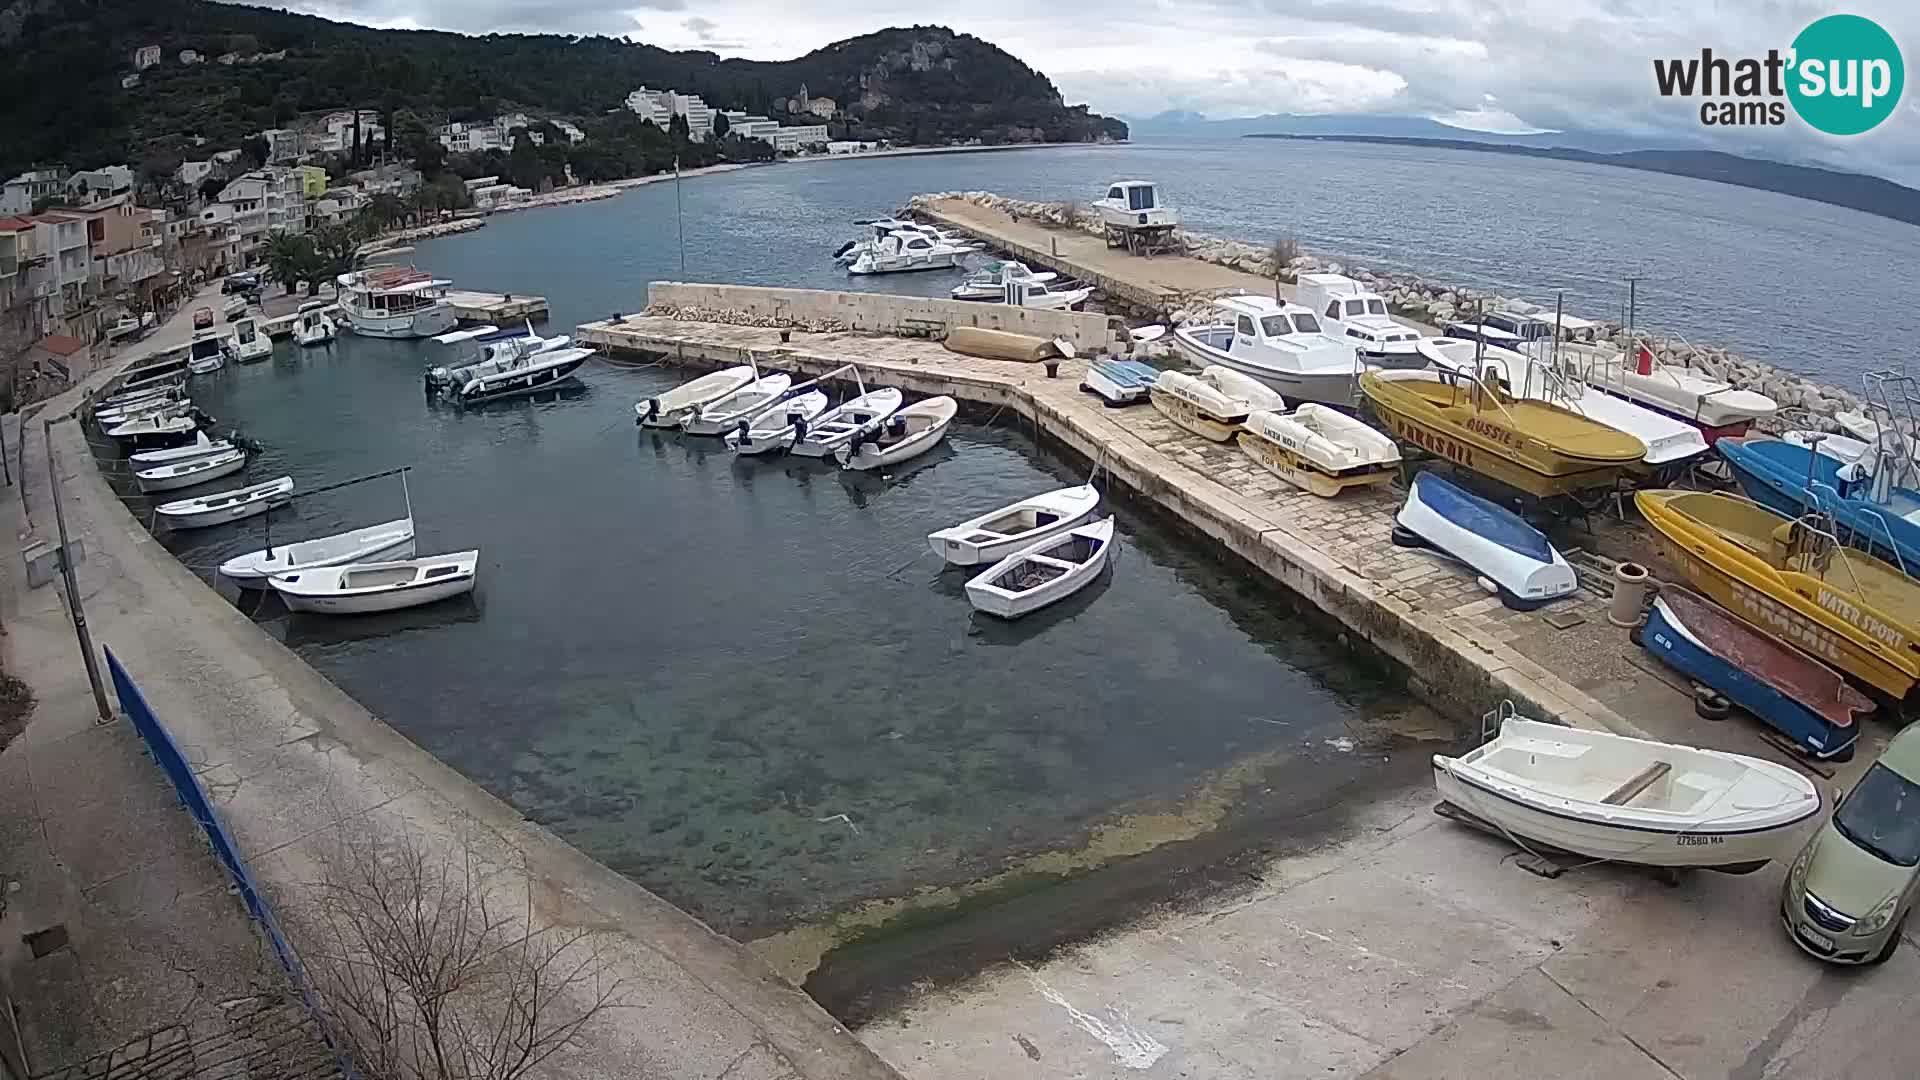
<point>523,163</point>
<point>678,131</point>
<point>334,249</point>
<point>383,211</point>
<point>292,259</point>
<point>255,149</point>
<point>721,125</point>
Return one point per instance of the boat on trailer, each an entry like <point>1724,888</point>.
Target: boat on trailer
<point>1042,573</point>
<point>1280,344</point>
<point>1490,539</point>
<point>1214,403</point>
<point>999,533</point>
<point>375,543</point>
<point>218,509</point>
<point>901,437</point>
<point>1319,449</point>
<point>777,428</point>
<point>721,415</point>
<point>1347,309</point>
<point>364,588</point>
<point>838,425</point>
<point>671,409</point>
<point>1621,799</point>
<point>1120,382</point>
<point>1715,406</point>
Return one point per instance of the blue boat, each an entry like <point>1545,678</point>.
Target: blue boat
<point>1119,382</point>
<point>1794,480</point>
<point>1495,542</point>
<point>1791,692</point>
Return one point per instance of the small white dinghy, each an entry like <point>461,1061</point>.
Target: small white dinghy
<point>114,417</point>
<point>375,543</point>
<point>182,474</point>
<point>999,533</point>
<point>235,505</point>
<point>363,588</point>
<point>837,426</point>
<point>1319,449</point>
<point>903,436</point>
<point>1214,403</point>
<point>1042,573</point>
<point>672,408</point>
<point>1490,539</point>
<point>1628,800</point>
<point>776,428</point>
<point>163,425</point>
<point>721,416</point>
<point>200,447</point>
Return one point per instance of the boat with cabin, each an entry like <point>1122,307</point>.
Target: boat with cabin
<point>1213,404</point>
<point>503,366</point>
<point>1280,344</point>
<point>200,447</point>
<point>1348,309</point>
<point>311,324</point>
<point>1319,449</point>
<point>1133,216</point>
<point>989,282</point>
<point>395,302</point>
<point>900,252</point>
<point>249,344</point>
<point>209,350</point>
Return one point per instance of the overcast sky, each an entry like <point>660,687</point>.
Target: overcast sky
<point>1508,65</point>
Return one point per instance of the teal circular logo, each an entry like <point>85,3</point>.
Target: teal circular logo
<point>1846,75</point>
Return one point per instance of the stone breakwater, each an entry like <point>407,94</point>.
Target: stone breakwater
<point>425,232</point>
<point>1435,303</point>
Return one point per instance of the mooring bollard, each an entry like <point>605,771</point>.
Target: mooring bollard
<point>1053,369</point>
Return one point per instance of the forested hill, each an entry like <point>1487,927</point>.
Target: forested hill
<point>62,61</point>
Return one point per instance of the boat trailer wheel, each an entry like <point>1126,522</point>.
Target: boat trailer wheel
<point>1711,704</point>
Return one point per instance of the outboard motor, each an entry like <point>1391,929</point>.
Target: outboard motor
<point>653,410</point>
<point>896,427</point>
<point>844,248</point>
<point>799,423</point>
<point>743,431</point>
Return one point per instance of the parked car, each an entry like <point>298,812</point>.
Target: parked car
<point>1849,891</point>
<point>240,283</point>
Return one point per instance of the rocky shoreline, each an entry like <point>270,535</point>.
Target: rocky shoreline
<point>1434,303</point>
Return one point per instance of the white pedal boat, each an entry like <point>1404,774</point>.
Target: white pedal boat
<point>1042,573</point>
<point>1628,800</point>
<point>200,447</point>
<point>720,416</point>
<point>375,543</point>
<point>999,533</point>
<point>364,588</point>
<point>183,474</point>
<point>838,425</point>
<point>671,409</point>
<point>903,436</point>
<point>1319,449</point>
<point>235,505</point>
<point>1494,542</point>
<point>776,428</point>
<point>1214,403</point>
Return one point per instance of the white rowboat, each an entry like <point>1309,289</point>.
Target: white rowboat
<point>1628,800</point>
<point>1043,573</point>
<point>183,474</point>
<point>999,533</point>
<point>903,436</point>
<point>363,588</point>
<point>235,505</point>
<point>838,425</point>
<point>722,415</point>
<point>375,543</point>
<point>200,447</point>
<point>672,408</point>
<point>776,428</point>
<point>158,425</point>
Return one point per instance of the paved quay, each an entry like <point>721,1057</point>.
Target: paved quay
<point>297,768</point>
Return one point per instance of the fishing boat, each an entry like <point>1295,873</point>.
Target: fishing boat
<point>1046,296</point>
<point>1119,382</point>
<point>990,281</point>
<point>1794,579</point>
<point>209,350</point>
<point>1281,345</point>
<point>1791,692</point>
<point>902,252</point>
<point>1319,449</point>
<point>671,409</point>
<point>1045,572</point>
<point>364,588</point>
<point>249,344</point>
<point>1493,541</point>
<point>838,425</point>
<point>777,428</point>
<point>1871,513</point>
<point>1347,309</point>
<point>169,369</point>
<point>395,302</point>
<point>182,474</point>
<point>1715,406</point>
<point>1214,403</point>
<point>158,430</point>
<point>1629,800</point>
<point>997,534</point>
<point>721,415</point>
<point>901,437</point>
<point>200,447</point>
<point>1532,446</point>
<point>312,326</point>
<point>375,543</point>
<point>217,509</point>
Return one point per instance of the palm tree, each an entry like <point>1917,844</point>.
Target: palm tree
<point>290,259</point>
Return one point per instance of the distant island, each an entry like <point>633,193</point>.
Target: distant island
<point>1868,194</point>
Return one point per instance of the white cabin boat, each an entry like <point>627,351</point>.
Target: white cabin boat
<point>882,228</point>
<point>1134,204</point>
<point>777,428</point>
<point>218,509</point>
<point>184,474</point>
<point>1047,296</point>
<point>673,408</point>
<point>1043,573</point>
<point>901,437</point>
<point>1214,403</point>
<point>395,302</point>
<point>721,415</point>
<point>249,344</point>
<point>903,252</point>
<point>505,367</point>
<point>997,534</point>
<point>1628,800</point>
<point>125,326</point>
<point>838,425</point>
<point>164,427</point>
<point>1349,310</point>
<point>1319,449</point>
<point>200,447</point>
<point>209,350</point>
<point>363,588</point>
<point>312,326</point>
<point>990,281</point>
<point>1280,344</point>
<point>375,543</point>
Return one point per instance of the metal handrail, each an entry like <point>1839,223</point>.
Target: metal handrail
<point>1814,488</point>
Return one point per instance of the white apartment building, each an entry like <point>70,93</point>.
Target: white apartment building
<point>191,173</point>
<point>260,204</point>
<point>18,195</point>
<point>653,106</point>
<point>792,140</point>
<point>660,107</point>
<point>470,138</point>
<point>572,132</point>
<point>750,125</point>
<point>338,131</point>
<point>101,183</point>
<point>145,57</point>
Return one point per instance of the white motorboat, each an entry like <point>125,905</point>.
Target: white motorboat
<point>1350,310</point>
<point>124,326</point>
<point>199,470</point>
<point>777,428</point>
<point>838,425</point>
<point>880,229</point>
<point>903,436</point>
<point>375,543</point>
<point>1716,407</point>
<point>673,408</point>
<point>249,344</point>
<point>395,302</point>
<point>1612,797</point>
<point>171,368</point>
<point>990,281</point>
<point>1319,449</point>
<point>1043,573</point>
<point>168,406</point>
<point>1214,403</point>
<point>208,351</point>
<point>1493,541</point>
<point>1120,382</point>
<point>233,308</point>
<point>158,427</point>
<point>134,397</point>
<point>1134,204</point>
<point>200,447</point>
<point>721,415</point>
<point>1464,356</point>
<point>1669,442</point>
<point>235,505</point>
<point>363,588</point>
<point>514,365</point>
<point>313,326</point>
<point>1279,344</point>
<point>1047,296</point>
<point>903,252</point>
<point>997,534</point>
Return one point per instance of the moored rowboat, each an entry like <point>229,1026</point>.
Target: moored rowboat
<point>182,474</point>
<point>901,437</point>
<point>363,588</point>
<point>838,425</point>
<point>999,533</point>
<point>235,505</point>
<point>1043,573</point>
<point>776,428</point>
<point>375,543</point>
<point>671,409</point>
<point>721,415</point>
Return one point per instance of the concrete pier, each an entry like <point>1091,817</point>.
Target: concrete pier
<point>496,308</point>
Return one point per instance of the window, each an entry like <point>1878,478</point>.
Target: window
<point>1376,307</point>
<point>1333,310</point>
<point>1355,307</point>
<point>1244,326</point>
<point>1276,326</point>
<point>1140,198</point>
<point>1882,816</point>
<point>1114,193</point>
<point>1306,323</point>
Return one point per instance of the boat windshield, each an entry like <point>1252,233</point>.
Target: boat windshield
<point>1376,307</point>
<point>1882,816</point>
<point>204,349</point>
<point>1276,326</point>
<point>1306,323</point>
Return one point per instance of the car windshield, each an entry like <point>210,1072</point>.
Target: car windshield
<point>1882,816</point>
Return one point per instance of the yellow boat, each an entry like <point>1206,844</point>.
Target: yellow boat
<point>1792,579</point>
<point>1536,447</point>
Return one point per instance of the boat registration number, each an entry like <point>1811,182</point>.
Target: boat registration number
<point>1690,840</point>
